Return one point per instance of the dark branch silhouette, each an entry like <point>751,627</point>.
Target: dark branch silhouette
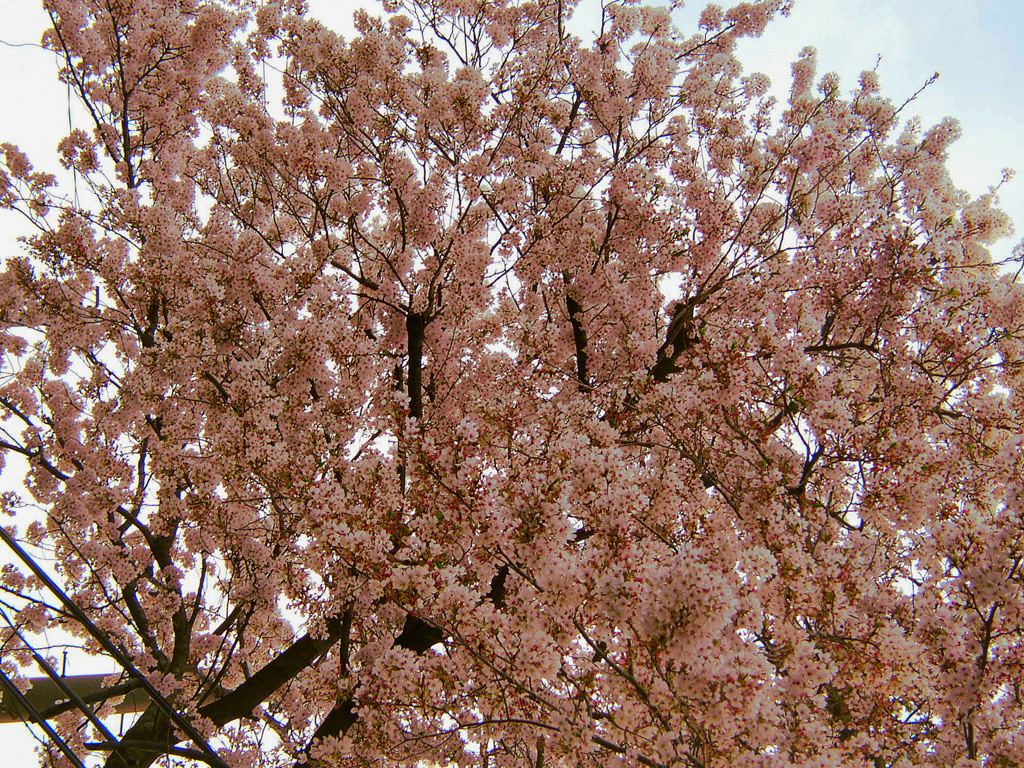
<point>579,338</point>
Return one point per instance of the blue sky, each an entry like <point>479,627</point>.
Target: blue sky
<point>974,45</point>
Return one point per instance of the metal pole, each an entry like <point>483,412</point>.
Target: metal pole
<point>62,745</point>
<point>84,708</point>
<point>45,695</point>
<point>107,644</point>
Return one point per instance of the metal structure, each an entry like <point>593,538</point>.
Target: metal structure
<point>48,696</point>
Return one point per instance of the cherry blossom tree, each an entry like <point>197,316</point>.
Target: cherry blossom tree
<point>466,392</point>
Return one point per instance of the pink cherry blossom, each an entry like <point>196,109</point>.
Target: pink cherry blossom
<point>467,392</point>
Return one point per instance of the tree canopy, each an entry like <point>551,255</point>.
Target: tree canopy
<point>468,392</point>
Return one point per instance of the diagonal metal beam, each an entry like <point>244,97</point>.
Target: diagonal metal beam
<point>118,655</point>
<point>11,690</point>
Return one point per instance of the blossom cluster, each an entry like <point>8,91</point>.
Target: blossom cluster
<point>501,397</point>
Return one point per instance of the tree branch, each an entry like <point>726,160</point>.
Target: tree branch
<point>415,323</point>
<point>246,697</point>
<point>579,338</point>
<point>336,724</point>
<point>679,337</point>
